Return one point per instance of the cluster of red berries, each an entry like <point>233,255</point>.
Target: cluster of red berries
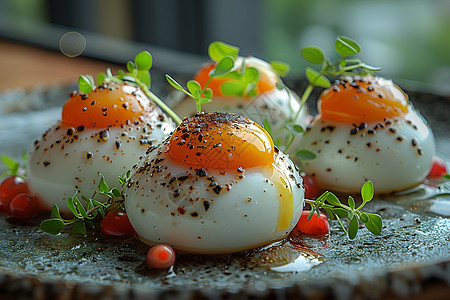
<point>16,200</point>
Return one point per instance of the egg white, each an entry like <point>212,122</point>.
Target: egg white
<point>394,154</point>
<point>170,203</point>
<point>67,159</point>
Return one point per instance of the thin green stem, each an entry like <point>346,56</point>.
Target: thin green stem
<point>303,99</point>
<point>159,102</point>
<point>69,222</point>
<point>207,83</point>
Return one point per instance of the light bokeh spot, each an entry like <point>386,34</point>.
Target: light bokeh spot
<point>72,44</point>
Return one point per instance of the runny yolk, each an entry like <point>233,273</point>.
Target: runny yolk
<point>285,197</point>
<point>108,106</point>
<point>229,142</point>
<point>221,141</point>
<point>267,81</point>
<point>363,100</point>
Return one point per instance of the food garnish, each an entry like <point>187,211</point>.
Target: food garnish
<point>345,65</point>
<point>336,210</point>
<point>219,52</point>
<point>15,198</point>
<point>85,214</point>
<point>438,168</point>
<point>313,225</point>
<point>138,74</point>
<point>160,256</point>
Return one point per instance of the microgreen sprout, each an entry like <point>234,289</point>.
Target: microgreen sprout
<point>84,214</point>
<point>347,64</point>
<point>336,210</point>
<point>13,166</point>
<point>224,55</point>
<point>243,80</point>
<point>138,74</point>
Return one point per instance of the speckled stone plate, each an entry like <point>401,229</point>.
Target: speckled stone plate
<point>410,258</point>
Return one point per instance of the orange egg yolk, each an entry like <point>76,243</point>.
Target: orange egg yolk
<point>266,82</point>
<point>106,106</point>
<point>221,141</point>
<point>363,100</point>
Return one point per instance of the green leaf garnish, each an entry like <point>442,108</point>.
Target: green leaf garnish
<point>218,50</point>
<point>103,186</point>
<point>294,128</point>
<point>337,210</point>
<point>10,163</point>
<point>86,83</point>
<point>224,55</point>
<point>304,154</point>
<point>345,65</point>
<point>174,83</point>
<point>79,227</point>
<point>313,54</point>
<point>52,226</point>
<point>446,176</point>
<point>353,227</point>
<point>280,67</point>
<point>317,79</point>
<point>84,214</point>
<point>346,46</point>
<point>137,74</point>
<point>351,202</point>
<point>223,67</point>
<point>143,61</point>
<point>55,212</point>
<point>367,191</point>
<point>13,166</point>
<point>374,224</point>
<point>267,126</point>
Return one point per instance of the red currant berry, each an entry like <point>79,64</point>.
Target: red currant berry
<point>315,226</point>
<point>9,188</point>
<point>311,187</point>
<point>23,206</point>
<point>117,224</point>
<point>438,168</point>
<point>160,257</point>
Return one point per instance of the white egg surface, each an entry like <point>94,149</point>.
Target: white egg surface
<point>383,139</point>
<point>217,185</point>
<point>101,134</point>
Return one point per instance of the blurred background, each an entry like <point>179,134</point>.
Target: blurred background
<point>409,39</point>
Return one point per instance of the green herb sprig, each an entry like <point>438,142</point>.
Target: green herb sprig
<point>84,214</point>
<point>13,166</point>
<point>138,74</point>
<point>224,55</point>
<point>345,65</point>
<point>336,210</point>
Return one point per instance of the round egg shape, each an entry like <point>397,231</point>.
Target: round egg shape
<point>395,154</point>
<point>206,210</point>
<point>68,159</point>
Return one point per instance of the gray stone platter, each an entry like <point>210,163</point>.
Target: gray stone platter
<point>411,257</point>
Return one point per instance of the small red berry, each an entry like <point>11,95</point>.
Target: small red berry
<point>160,256</point>
<point>315,226</point>
<point>438,168</point>
<point>117,224</point>
<point>23,206</point>
<point>9,188</point>
<point>311,187</point>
